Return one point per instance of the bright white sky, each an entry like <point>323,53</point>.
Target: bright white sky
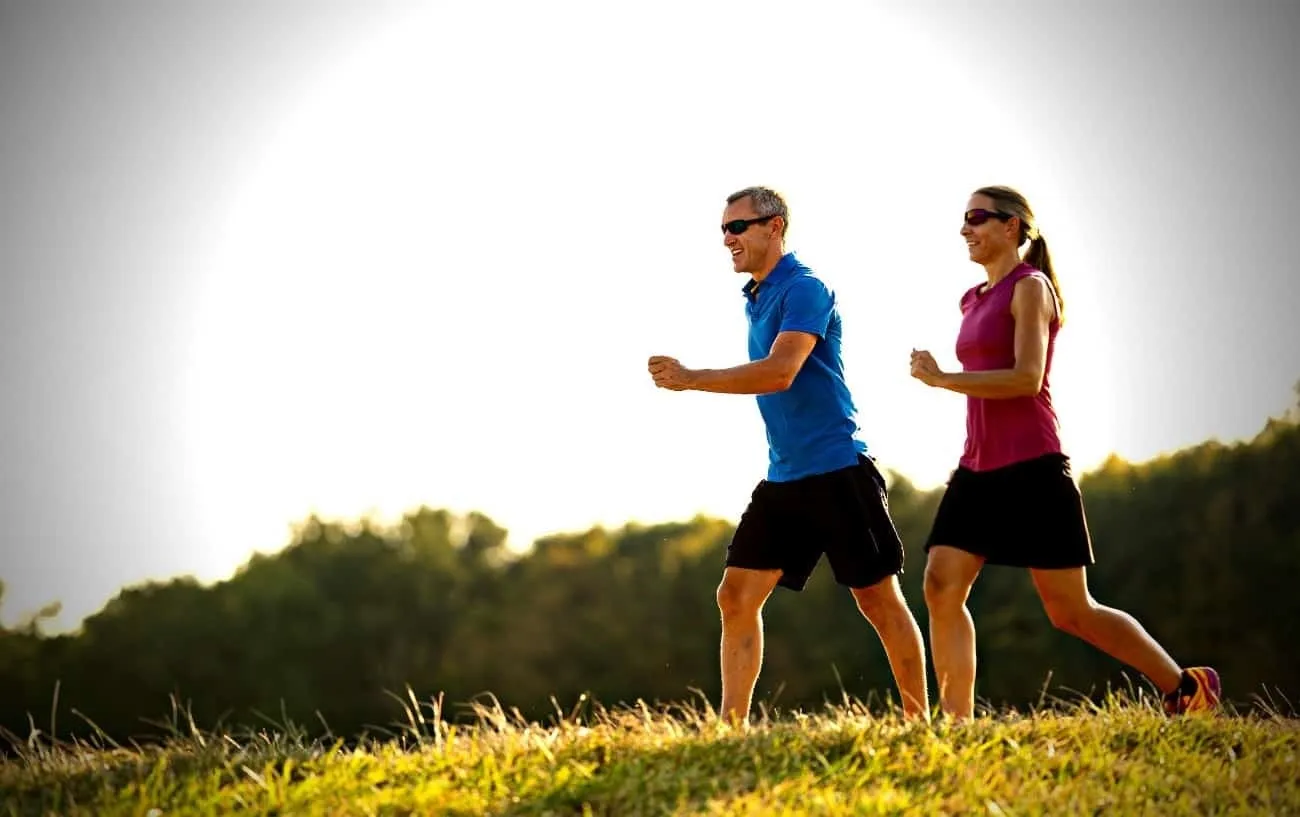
<point>437,266</point>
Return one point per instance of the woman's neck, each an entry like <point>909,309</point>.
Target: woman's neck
<point>1000,268</point>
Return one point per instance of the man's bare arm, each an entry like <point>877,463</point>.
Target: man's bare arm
<point>774,373</point>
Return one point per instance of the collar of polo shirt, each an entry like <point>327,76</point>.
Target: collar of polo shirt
<point>779,273</point>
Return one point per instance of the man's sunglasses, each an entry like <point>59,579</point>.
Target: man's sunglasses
<point>978,216</point>
<point>740,225</point>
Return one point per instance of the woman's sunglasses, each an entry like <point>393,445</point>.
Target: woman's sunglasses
<point>740,225</point>
<point>978,216</point>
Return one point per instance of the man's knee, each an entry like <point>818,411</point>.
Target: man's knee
<point>742,593</point>
<point>882,601</point>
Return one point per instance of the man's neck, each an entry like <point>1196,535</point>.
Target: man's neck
<point>761,274</point>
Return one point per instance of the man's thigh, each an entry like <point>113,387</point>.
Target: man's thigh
<point>769,537</point>
<point>861,542</point>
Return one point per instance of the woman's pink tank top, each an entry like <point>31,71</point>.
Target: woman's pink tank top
<point>1006,430</point>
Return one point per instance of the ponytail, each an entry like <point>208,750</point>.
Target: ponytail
<point>1011,202</point>
<point>1040,258</point>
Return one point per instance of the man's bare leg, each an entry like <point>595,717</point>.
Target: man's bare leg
<point>884,607</point>
<point>741,597</point>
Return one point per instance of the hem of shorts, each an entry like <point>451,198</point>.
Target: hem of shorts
<point>742,565</point>
<point>879,577</point>
<point>792,582</point>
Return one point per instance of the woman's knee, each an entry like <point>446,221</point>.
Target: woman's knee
<point>941,591</point>
<point>1066,600</point>
<point>1067,614</point>
<point>947,584</point>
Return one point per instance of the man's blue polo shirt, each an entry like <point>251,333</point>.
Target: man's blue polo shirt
<point>812,426</point>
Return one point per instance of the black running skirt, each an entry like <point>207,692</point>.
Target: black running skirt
<point>1029,514</point>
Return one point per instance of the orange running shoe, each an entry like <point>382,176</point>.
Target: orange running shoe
<point>1199,691</point>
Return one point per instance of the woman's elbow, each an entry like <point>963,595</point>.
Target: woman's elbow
<point>1031,383</point>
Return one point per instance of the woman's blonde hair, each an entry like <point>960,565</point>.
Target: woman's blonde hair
<point>1009,200</point>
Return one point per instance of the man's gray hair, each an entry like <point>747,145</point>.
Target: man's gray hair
<point>767,202</point>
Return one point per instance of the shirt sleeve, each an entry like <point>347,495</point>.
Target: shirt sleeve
<point>807,307</point>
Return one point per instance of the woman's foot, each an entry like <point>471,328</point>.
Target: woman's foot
<point>1198,691</point>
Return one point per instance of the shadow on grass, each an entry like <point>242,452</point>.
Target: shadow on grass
<point>686,776</point>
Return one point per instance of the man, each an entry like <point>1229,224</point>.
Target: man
<point>823,493</point>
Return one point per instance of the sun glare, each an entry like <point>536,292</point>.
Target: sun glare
<point>440,281</point>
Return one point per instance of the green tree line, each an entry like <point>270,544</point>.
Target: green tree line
<point>1202,546</point>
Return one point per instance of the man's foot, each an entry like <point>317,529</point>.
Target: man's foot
<point>1199,691</point>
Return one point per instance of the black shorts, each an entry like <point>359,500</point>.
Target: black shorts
<point>1029,514</point>
<point>843,514</point>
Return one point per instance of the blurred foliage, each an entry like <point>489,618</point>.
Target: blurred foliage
<point>1202,546</point>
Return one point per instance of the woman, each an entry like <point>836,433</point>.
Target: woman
<point>1013,450</point>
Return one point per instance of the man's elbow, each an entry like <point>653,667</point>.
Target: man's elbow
<point>783,378</point>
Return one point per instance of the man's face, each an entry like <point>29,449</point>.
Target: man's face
<point>753,247</point>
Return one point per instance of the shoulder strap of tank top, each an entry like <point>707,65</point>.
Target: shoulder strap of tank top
<point>1027,271</point>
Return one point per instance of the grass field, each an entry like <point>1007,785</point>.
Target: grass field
<point>1120,757</point>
